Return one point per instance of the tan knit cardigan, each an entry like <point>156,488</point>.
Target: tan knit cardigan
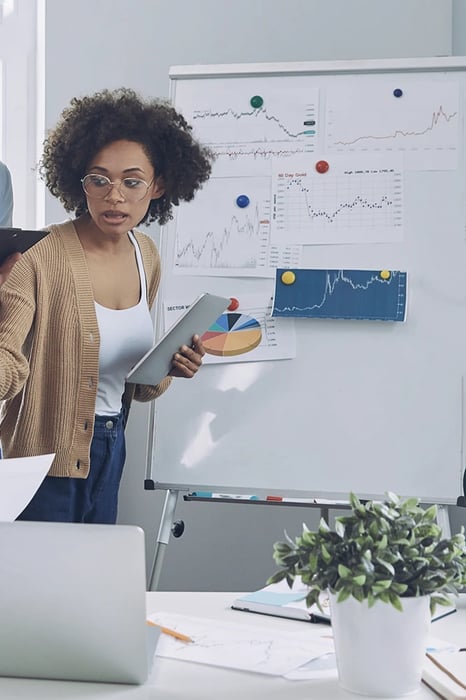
<point>49,352</point>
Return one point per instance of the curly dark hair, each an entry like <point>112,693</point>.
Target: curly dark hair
<point>90,123</point>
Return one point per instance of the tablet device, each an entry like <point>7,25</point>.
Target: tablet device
<point>156,364</point>
<point>17,240</point>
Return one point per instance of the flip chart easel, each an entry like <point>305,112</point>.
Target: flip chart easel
<point>168,525</point>
<point>364,406</point>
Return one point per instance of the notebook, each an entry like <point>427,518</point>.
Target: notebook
<point>156,364</point>
<point>445,672</point>
<point>73,602</point>
<point>279,600</point>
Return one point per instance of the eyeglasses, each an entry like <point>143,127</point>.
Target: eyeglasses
<point>133,189</point>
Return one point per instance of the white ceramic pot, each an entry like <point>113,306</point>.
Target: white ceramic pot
<point>380,650</point>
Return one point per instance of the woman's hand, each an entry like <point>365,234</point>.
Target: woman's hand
<point>7,266</point>
<point>187,361</point>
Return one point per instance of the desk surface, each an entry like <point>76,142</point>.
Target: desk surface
<point>173,680</point>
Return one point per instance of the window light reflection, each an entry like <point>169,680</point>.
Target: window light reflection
<point>202,443</point>
<point>240,376</point>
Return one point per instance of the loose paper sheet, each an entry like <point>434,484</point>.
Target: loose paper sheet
<point>20,477</point>
<point>242,647</point>
<point>326,666</point>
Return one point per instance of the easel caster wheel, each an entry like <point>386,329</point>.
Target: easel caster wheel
<point>177,528</point>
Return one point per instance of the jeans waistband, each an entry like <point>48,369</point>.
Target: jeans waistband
<point>115,419</point>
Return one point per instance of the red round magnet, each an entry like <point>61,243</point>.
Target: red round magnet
<point>234,304</point>
<point>322,166</point>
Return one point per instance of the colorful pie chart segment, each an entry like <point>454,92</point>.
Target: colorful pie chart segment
<point>232,334</point>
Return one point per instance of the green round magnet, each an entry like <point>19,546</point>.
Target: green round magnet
<point>256,101</point>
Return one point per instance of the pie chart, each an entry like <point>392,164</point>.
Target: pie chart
<point>232,334</point>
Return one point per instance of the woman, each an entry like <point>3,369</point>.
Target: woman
<point>75,312</point>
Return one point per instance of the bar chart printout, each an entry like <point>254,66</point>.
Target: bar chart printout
<point>341,294</point>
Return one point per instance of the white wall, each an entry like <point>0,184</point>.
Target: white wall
<point>459,28</point>
<point>92,44</point>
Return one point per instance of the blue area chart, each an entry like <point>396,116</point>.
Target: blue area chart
<point>376,295</point>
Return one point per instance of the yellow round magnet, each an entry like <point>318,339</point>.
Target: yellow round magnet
<point>385,274</point>
<point>288,277</point>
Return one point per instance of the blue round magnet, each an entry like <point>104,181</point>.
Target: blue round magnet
<point>397,92</point>
<point>242,200</point>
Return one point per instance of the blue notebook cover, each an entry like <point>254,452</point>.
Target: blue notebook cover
<point>281,601</point>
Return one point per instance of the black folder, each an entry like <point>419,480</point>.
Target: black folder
<point>17,240</point>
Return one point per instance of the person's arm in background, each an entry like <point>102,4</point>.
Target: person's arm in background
<point>6,196</point>
<point>6,217</point>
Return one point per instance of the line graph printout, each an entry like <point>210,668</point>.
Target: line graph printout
<point>277,337</point>
<point>251,120</point>
<point>378,295</point>
<point>215,236</point>
<point>422,122</point>
<point>243,647</point>
<point>358,200</point>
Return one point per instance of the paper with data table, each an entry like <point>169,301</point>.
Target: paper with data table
<point>20,477</point>
<point>241,647</point>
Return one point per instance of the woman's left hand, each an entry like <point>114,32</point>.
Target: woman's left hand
<point>187,361</point>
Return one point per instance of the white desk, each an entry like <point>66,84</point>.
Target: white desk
<point>173,680</point>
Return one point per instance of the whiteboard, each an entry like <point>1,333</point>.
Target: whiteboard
<point>364,406</point>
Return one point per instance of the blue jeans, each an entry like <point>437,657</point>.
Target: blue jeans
<point>91,500</point>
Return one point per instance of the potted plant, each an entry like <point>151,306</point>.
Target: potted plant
<point>385,567</point>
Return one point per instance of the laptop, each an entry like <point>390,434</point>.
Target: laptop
<point>73,602</point>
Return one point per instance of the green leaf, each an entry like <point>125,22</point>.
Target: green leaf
<point>410,503</point>
<point>395,601</point>
<point>342,596</point>
<point>278,576</point>
<point>326,556</point>
<point>386,565</point>
<point>431,513</point>
<point>339,528</point>
<point>343,571</point>
<point>381,586</point>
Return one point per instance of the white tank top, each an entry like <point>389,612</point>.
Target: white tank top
<point>125,336</point>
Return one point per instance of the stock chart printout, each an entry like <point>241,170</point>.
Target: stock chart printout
<point>301,162</point>
<point>378,295</point>
<point>420,119</point>
<point>338,200</point>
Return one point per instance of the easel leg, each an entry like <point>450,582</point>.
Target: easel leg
<point>324,513</point>
<point>443,519</point>
<point>163,536</point>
